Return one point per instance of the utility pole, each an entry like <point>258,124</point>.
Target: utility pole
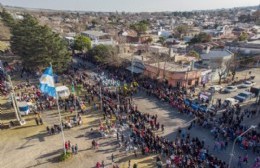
<point>100,94</point>
<point>14,101</point>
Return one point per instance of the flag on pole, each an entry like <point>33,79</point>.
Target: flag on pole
<point>47,82</point>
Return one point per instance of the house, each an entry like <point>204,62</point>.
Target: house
<point>164,33</point>
<point>176,75</point>
<point>216,60</point>
<point>98,37</point>
<point>128,36</point>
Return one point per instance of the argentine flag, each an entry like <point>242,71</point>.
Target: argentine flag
<point>47,82</point>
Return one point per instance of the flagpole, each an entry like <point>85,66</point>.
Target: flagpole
<point>61,126</point>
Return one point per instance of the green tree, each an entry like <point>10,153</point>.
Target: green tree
<point>243,36</point>
<point>162,40</point>
<point>149,40</point>
<point>105,54</point>
<point>140,27</point>
<point>38,45</point>
<point>82,43</point>
<point>181,30</point>
<point>194,54</point>
<point>200,38</point>
<point>7,18</point>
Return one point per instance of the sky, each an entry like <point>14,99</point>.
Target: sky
<point>130,5</point>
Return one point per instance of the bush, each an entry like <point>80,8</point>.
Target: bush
<point>66,156</point>
<point>135,165</point>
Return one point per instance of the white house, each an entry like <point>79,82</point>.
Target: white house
<point>216,60</point>
<point>99,37</point>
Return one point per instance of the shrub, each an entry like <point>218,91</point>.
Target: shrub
<point>64,157</point>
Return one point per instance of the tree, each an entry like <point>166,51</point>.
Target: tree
<point>181,30</point>
<point>149,40</point>
<point>140,27</point>
<point>7,18</point>
<point>243,36</point>
<point>38,45</point>
<point>195,54</point>
<point>82,43</point>
<point>234,64</point>
<point>220,67</point>
<point>162,41</point>
<point>104,54</point>
<point>94,22</point>
<point>200,38</point>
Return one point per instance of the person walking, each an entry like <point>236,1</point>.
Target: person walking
<point>73,149</point>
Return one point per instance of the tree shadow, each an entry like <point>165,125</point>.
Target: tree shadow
<point>40,137</point>
<point>52,157</point>
<point>21,127</point>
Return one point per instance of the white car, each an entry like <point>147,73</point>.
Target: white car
<point>231,101</point>
<point>230,89</point>
<point>215,88</point>
<point>247,84</point>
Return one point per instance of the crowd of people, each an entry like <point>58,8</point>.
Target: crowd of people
<point>224,127</point>
<point>183,151</point>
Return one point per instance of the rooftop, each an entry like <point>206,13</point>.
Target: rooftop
<point>216,54</point>
<point>171,67</point>
<point>94,33</point>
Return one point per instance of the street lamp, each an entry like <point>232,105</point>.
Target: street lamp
<point>233,146</point>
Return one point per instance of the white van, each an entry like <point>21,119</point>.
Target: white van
<point>63,92</point>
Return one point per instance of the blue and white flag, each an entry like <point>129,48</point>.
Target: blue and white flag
<point>47,82</point>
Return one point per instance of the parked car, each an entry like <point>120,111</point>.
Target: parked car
<point>247,84</point>
<point>231,101</point>
<point>230,89</point>
<point>244,96</point>
<point>215,88</point>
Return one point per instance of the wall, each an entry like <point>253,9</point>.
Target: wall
<point>189,78</point>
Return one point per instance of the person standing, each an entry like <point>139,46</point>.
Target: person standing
<point>69,145</point>
<point>73,149</point>
<point>66,146</point>
<point>112,157</point>
<point>40,121</point>
<point>103,164</point>
<point>129,164</point>
<point>37,121</point>
<point>76,149</point>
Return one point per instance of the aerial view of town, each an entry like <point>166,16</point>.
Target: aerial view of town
<point>129,84</point>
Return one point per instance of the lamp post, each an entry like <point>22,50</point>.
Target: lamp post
<point>233,146</point>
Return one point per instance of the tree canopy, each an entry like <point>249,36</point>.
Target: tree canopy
<point>38,45</point>
<point>7,18</point>
<point>82,43</point>
<point>104,54</point>
<point>180,30</point>
<point>140,27</point>
<point>243,36</point>
<point>194,54</point>
<point>200,38</point>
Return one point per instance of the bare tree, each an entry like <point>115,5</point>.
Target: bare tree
<point>221,68</point>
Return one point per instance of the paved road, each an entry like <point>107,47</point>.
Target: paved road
<point>174,120</point>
